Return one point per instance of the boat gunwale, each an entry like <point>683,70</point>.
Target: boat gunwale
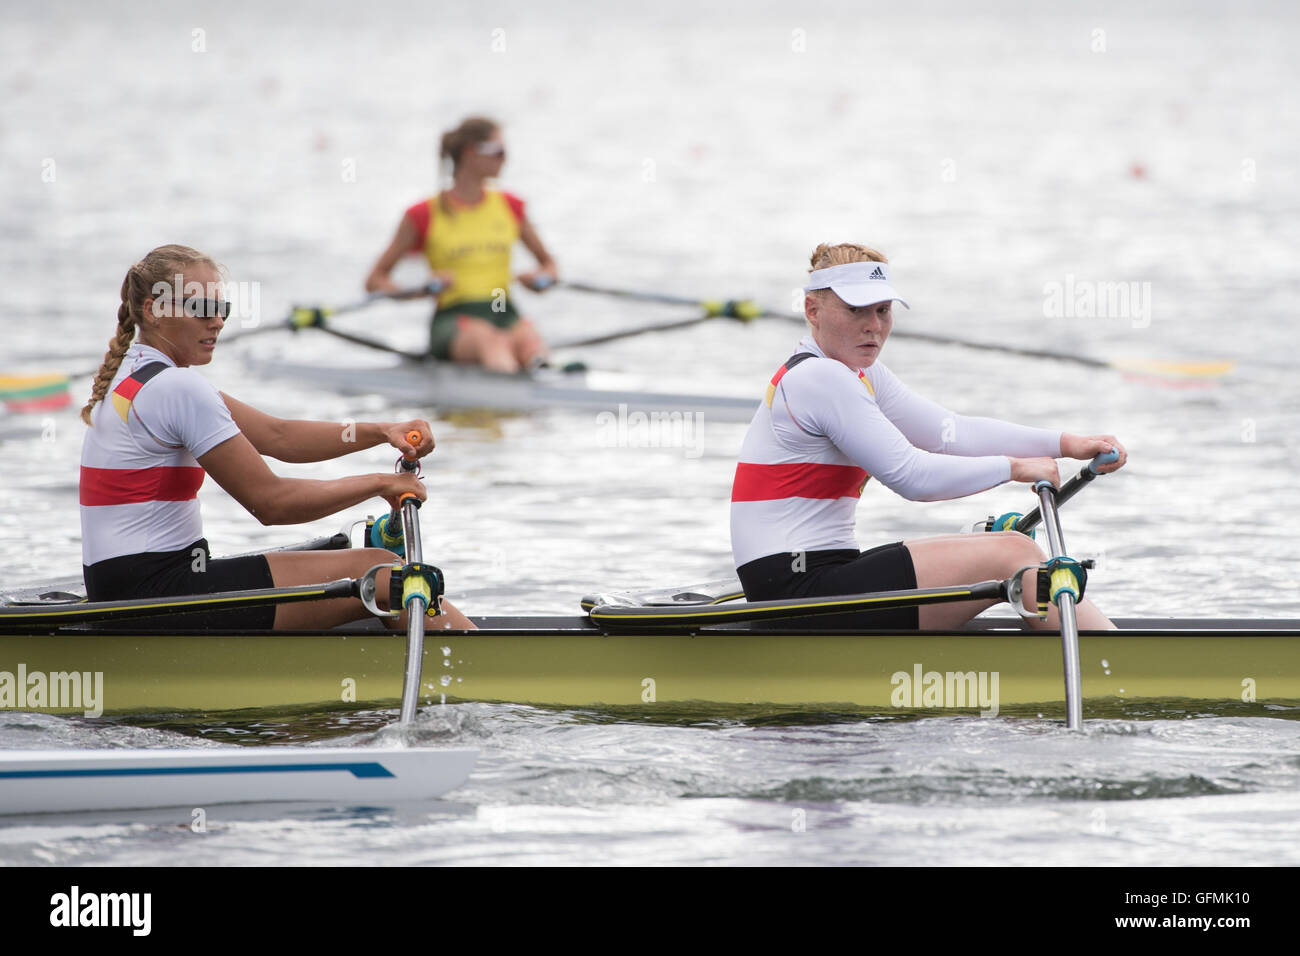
<point>577,626</point>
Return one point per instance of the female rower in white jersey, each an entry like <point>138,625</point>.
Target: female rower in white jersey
<point>157,429</point>
<point>835,417</point>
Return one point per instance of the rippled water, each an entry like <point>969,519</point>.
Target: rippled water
<point>699,152</point>
<point>557,788</point>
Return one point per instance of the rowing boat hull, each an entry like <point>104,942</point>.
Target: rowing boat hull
<point>77,780</point>
<point>448,386</point>
<point>573,666</point>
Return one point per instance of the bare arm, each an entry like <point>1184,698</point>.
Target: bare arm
<point>403,242</point>
<point>545,264</point>
<point>303,441</point>
<point>237,467</point>
<point>1084,447</point>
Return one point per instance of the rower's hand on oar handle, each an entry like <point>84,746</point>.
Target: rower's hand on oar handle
<point>436,285</point>
<point>538,281</point>
<point>414,439</point>
<point>1031,470</point>
<point>400,486</point>
<point>1088,447</point>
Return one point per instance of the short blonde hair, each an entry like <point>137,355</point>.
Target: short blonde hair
<point>840,254</point>
<point>825,255</point>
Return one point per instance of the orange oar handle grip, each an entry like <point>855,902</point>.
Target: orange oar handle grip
<point>412,464</point>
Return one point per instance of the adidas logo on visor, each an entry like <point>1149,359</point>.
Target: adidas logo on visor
<point>877,274</point>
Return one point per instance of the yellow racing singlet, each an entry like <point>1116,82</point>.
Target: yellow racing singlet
<point>473,242</point>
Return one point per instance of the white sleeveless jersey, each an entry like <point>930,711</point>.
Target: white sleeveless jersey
<point>139,476</point>
<point>824,430</point>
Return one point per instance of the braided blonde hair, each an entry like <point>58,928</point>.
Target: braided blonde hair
<point>159,266</point>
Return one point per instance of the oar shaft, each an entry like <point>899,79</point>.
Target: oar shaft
<point>1068,491</point>
<point>1194,369</point>
<point>1071,488</point>
<point>318,314</point>
<point>1047,503</point>
<point>1083,360</point>
<point>629,333</point>
<point>666,299</point>
<point>638,295</point>
<point>369,343</point>
<point>415,610</point>
<point>414,656</point>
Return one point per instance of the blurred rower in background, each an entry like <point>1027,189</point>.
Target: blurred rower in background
<point>467,233</point>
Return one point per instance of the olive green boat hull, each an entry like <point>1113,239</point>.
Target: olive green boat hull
<point>577,667</point>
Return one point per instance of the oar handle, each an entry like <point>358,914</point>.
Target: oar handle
<point>432,287</point>
<point>1105,458</point>
<point>1069,489</point>
<point>410,466</point>
<point>414,437</point>
<point>390,531</point>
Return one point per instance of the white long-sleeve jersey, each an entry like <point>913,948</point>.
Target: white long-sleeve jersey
<point>139,474</point>
<point>824,430</point>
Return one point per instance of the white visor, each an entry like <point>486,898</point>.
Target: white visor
<point>857,283</point>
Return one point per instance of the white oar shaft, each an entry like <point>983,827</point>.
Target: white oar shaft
<point>414,615</point>
<point>1065,610</point>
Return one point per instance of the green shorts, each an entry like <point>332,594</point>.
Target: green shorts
<point>448,322</point>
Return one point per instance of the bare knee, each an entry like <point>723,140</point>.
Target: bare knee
<point>1016,550</point>
<point>524,336</point>
<point>480,343</point>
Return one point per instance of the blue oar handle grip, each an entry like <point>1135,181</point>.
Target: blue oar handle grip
<point>1105,458</point>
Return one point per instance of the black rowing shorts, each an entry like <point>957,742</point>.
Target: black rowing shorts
<point>842,571</point>
<point>190,570</point>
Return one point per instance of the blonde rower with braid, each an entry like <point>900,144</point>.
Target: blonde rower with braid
<point>158,429</point>
<point>834,418</point>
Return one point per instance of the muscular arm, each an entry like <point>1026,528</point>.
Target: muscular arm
<point>533,243</point>
<point>237,467</point>
<point>304,441</point>
<point>379,279</point>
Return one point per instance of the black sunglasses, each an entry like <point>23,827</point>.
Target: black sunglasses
<point>206,308</point>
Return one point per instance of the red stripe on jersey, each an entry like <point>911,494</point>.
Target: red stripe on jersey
<point>803,479</point>
<point>515,203</point>
<point>128,486</point>
<point>128,387</point>
<point>419,216</point>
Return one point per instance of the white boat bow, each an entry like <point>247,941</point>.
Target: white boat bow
<point>50,781</point>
